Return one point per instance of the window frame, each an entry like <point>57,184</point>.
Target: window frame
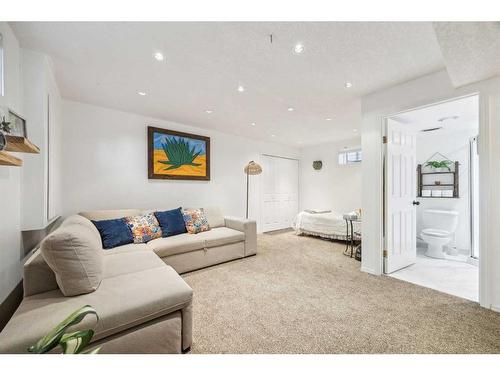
<point>344,157</point>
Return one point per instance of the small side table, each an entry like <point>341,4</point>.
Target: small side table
<point>352,250</point>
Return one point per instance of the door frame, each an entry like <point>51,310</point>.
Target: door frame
<point>483,150</point>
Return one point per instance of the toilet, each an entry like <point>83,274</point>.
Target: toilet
<point>439,230</point>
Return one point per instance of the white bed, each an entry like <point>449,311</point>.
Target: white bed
<point>329,225</point>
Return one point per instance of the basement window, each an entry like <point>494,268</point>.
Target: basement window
<point>350,156</point>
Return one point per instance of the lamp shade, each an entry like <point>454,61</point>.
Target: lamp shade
<point>253,168</point>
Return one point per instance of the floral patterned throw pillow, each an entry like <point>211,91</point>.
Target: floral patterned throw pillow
<point>144,227</point>
<point>196,221</point>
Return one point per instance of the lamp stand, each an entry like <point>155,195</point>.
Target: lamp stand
<point>247,196</point>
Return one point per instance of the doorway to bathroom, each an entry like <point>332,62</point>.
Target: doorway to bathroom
<point>431,197</point>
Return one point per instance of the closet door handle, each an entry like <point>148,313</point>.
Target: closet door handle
<point>416,203</point>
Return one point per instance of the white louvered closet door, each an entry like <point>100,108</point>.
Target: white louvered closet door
<point>280,192</point>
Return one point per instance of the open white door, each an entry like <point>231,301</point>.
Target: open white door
<point>400,197</point>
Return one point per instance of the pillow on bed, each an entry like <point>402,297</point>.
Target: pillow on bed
<point>317,211</point>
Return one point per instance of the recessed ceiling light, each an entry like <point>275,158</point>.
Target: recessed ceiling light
<point>298,48</point>
<point>355,130</point>
<point>208,111</point>
<point>253,124</point>
<point>290,109</point>
<point>141,93</point>
<point>241,88</point>
<point>348,85</point>
<point>273,135</point>
<point>328,119</point>
<point>159,56</point>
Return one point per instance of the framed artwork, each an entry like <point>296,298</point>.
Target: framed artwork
<point>178,156</point>
<point>17,125</point>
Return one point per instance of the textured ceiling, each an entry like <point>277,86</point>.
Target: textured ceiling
<point>471,50</point>
<point>108,63</point>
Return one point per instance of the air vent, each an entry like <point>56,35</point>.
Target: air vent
<point>431,129</point>
<point>447,118</point>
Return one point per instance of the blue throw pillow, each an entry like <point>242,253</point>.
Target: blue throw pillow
<point>171,222</point>
<point>114,232</point>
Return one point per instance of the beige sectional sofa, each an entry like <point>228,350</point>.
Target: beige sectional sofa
<point>144,306</point>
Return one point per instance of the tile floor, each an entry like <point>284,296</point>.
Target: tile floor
<point>456,277</point>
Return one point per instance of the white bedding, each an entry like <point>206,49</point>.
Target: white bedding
<point>328,225</point>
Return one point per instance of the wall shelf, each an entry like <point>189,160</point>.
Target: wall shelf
<point>421,184</point>
<point>9,160</point>
<point>20,144</point>
<point>439,197</point>
<point>437,172</point>
<point>438,185</point>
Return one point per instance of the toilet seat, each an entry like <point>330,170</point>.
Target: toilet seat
<point>436,233</point>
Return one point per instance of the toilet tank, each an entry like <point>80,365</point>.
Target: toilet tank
<point>440,219</point>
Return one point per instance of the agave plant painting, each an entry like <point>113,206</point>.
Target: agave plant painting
<point>175,155</point>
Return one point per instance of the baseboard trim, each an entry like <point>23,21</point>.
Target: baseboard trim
<point>495,308</point>
<point>10,305</point>
<point>369,270</point>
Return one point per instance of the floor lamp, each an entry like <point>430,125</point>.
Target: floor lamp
<point>252,168</point>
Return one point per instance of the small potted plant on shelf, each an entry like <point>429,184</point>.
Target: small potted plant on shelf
<point>439,166</point>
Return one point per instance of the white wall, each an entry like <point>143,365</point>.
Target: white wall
<point>105,165</point>
<point>454,146</point>
<point>336,187</point>
<point>10,177</point>
<point>41,193</point>
<point>423,91</point>
<point>23,188</point>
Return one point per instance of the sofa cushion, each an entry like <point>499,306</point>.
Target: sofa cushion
<point>131,247</point>
<point>214,216</point>
<point>221,236</point>
<point>187,242</point>
<point>195,220</point>
<point>182,243</point>
<point>122,302</point>
<point>144,227</point>
<point>110,214</point>
<point>132,261</point>
<point>38,277</point>
<point>114,232</point>
<point>75,255</point>
<point>80,220</point>
<point>171,222</point>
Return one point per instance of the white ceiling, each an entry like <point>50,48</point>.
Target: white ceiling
<point>471,50</point>
<point>466,109</point>
<point>108,63</point>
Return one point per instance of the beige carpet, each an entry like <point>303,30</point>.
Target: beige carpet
<point>301,295</point>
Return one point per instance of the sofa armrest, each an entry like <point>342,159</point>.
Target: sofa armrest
<point>249,227</point>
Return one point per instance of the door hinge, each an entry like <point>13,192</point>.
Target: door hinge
<point>384,253</point>
<point>384,139</point>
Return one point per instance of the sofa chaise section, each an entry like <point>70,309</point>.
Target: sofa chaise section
<point>144,306</point>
